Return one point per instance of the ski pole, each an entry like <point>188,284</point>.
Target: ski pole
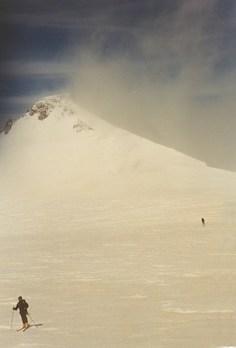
<point>32,320</point>
<point>12,319</point>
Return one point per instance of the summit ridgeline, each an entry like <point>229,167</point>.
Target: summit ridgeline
<point>62,105</point>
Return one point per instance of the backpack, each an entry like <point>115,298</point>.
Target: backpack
<point>25,304</point>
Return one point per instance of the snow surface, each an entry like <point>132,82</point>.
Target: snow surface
<point>101,233</point>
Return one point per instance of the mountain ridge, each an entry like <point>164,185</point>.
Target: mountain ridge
<point>60,146</point>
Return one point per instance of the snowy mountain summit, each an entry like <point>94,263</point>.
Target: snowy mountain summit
<point>58,106</point>
<point>56,146</point>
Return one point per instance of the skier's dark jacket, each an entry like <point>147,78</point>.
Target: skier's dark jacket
<point>22,305</point>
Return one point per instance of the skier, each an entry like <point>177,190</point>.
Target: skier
<point>22,305</point>
<point>203,222</point>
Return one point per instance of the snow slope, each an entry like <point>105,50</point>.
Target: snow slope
<point>100,232</point>
<point>58,146</point>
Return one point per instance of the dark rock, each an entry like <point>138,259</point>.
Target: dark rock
<point>6,129</point>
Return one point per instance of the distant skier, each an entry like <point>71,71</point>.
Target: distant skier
<point>22,305</point>
<point>203,222</point>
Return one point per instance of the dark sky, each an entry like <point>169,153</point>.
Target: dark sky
<point>164,69</point>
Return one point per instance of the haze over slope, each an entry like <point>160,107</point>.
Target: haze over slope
<point>57,146</point>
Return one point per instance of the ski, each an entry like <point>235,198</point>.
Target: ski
<point>20,329</point>
<point>26,328</point>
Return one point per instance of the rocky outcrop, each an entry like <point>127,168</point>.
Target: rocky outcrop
<point>41,109</point>
<point>6,129</point>
<point>9,124</point>
<point>81,126</point>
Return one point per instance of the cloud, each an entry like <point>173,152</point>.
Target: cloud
<point>68,14</point>
<point>170,84</point>
<point>19,100</point>
<point>44,68</point>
